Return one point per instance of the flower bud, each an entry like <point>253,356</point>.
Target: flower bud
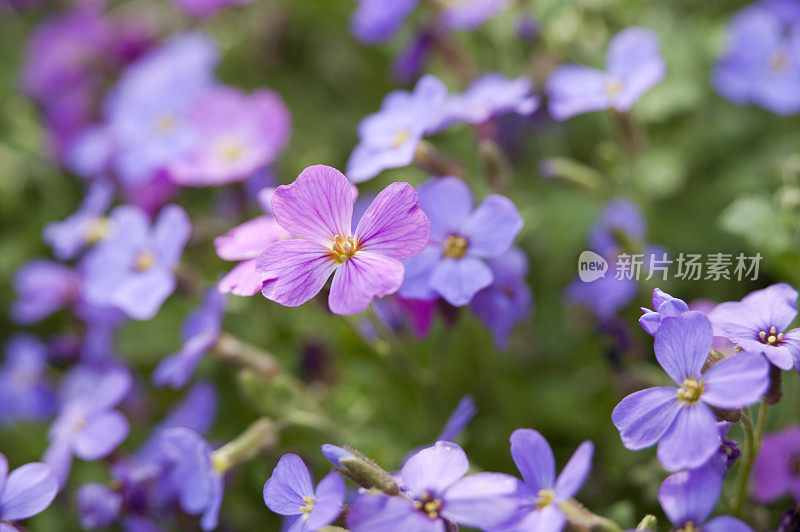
<point>360,469</point>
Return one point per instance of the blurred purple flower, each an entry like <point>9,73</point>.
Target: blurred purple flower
<point>689,496</point>
<point>759,323</point>
<point>25,492</point>
<point>290,491</point>
<point>318,208</point>
<point>633,66</point>
<point>453,265</point>
<point>665,306</point>
<point>100,327</point>
<point>389,137</point>
<point>200,332</point>
<point>243,243</point>
<point>541,489</point>
<point>681,419</point>
<point>604,296</point>
<point>237,134</point>
<point>762,62</point>
<point>508,300</point>
<point>206,8</point>
<point>619,226</point>
<point>489,96</point>
<point>134,270</point>
<point>777,466</point>
<point>470,14</point>
<point>409,64</point>
<point>25,392</point>
<point>88,426</point>
<point>464,412</point>
<point>98,506</point>
<point>191,473</point>
<point>436,489</point>
<point>43,287</point>
<point>85,227</point>
<point>377,21</point>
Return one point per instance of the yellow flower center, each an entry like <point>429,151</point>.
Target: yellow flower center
<point>778,62</point>
<point>166,124</point>
<point>455,247</point>
<point>145,260</point>
<point>230,150</point>
<point>771,337</point>
<point>613,88</point>
<point>97,230</point>
<point>688,527</point>
<point>429,506</point>
<point>308,506</point>
<point>544,498</point>
<point>691,391</point>
<point>344,247</point>
<point>400,137</point>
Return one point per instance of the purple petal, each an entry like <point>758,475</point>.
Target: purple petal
<point>243,280</point>
<point>247,240</point>
<point>775,305</point>
<point>736,381</point>
<point>534,458</point>
<point>634,58</point>
<point>362,277</point>
<point>726,523</point>
<point>691,439</point>
<point>29,490</point>
<point>772,476</point>
<point>3,473</point>
<point>394,225</point>
<point>458,280</point>
<point>328,499</point>
<point>575,472</point>
<point>483,500</point>
<point>643,417</point>
<point>574,90</point>
<point>318,206</point>
<point>690,495</point>
<point>170,234</point>
<point>447,201</point>
<point>389,514</point>
<point>210,516</point>
<point>433,469</point>
<point>141,294</point>
<point>289,483</point>
<point>459,419</point>
<point>377,21</point>
<point>682,345</point>
<point>294,271</point>
<point>98,506</point>
<point>548,519</point>
<point>101,435</point>
<point>492,227</point>
<point>59,457</point>
<point>418,270</point>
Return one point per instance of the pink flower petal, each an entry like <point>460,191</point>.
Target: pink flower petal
<point>243,280</point>
<point>247,240</point>
<point>294,271</point>
<point>364,276</point>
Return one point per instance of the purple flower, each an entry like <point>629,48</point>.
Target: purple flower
<point>437,490</point>
<point>25,392</point>
<point>206,8</point>
<point>134,269</point>
<point>389,138</point>
<point>87,226</point>
<point>633,66</point>
<point>508,300</point>
<point>689,496</point>
<point>99,333</point>
<point>318,209</point>
<point>762,62</point>
<point>88,426</point>
<point>237,134</point>
<point>541,488</point>
<point>618,227</point>
<point>377,21</point>
<point>665,306</point>
<point>98,506</point>
<point>244,243</point>
<point>290,492</point>
<point>777,466</point>
<point>200,332</point>
<point>409,63</point>
<point>25,492</point>
<point>470,14</point>
<point>759,323</point>
<point>43,287</point>
<point>191,473</point>
<point>462,238</point>
<point>491,95</point>
<point>681,419</point>
<point>464,412</point>
<point>604,296</point>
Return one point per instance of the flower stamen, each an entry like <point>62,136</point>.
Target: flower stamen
<point>144,261</point>
<point>771,337</point>
<point>308,506</point>
<point>691,391</point>
<point>429,505</point>
<point>455,247</point>
<point>343,249</point>
<point>544,498</point>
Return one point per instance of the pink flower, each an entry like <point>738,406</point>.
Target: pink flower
<point>318,209</point>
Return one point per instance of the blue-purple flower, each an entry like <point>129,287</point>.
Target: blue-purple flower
<point>541,489</point>
<point>25,492</point>
<point>134,269</point>
<point>664,306</point>
<point>25,392</point>
<point>389,137</point>
<point>776,470</point>
<point>760,323</point>
<point>85,227</point>
<point>689,496</point>
<point>633,66</point>
<point>377,21</point>
<point>463,237</point>
<point>508,300</point>
<point>762,62</point>
<point>43,287</point>
<point>200,332</point>
<point>290,491</point>
<point>436,490</point>
<point>489,96</point>
<point>680,418</point>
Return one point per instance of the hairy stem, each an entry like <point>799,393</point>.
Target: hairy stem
<point>753,438</point>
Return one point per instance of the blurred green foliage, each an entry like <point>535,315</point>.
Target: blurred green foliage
<point>713,177</point>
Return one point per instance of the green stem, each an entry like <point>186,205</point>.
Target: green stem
<point>579,516</point>
<point>263,433</point>
<point>233,351</point>
<point>753,438</point>
<point>396,350</point>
